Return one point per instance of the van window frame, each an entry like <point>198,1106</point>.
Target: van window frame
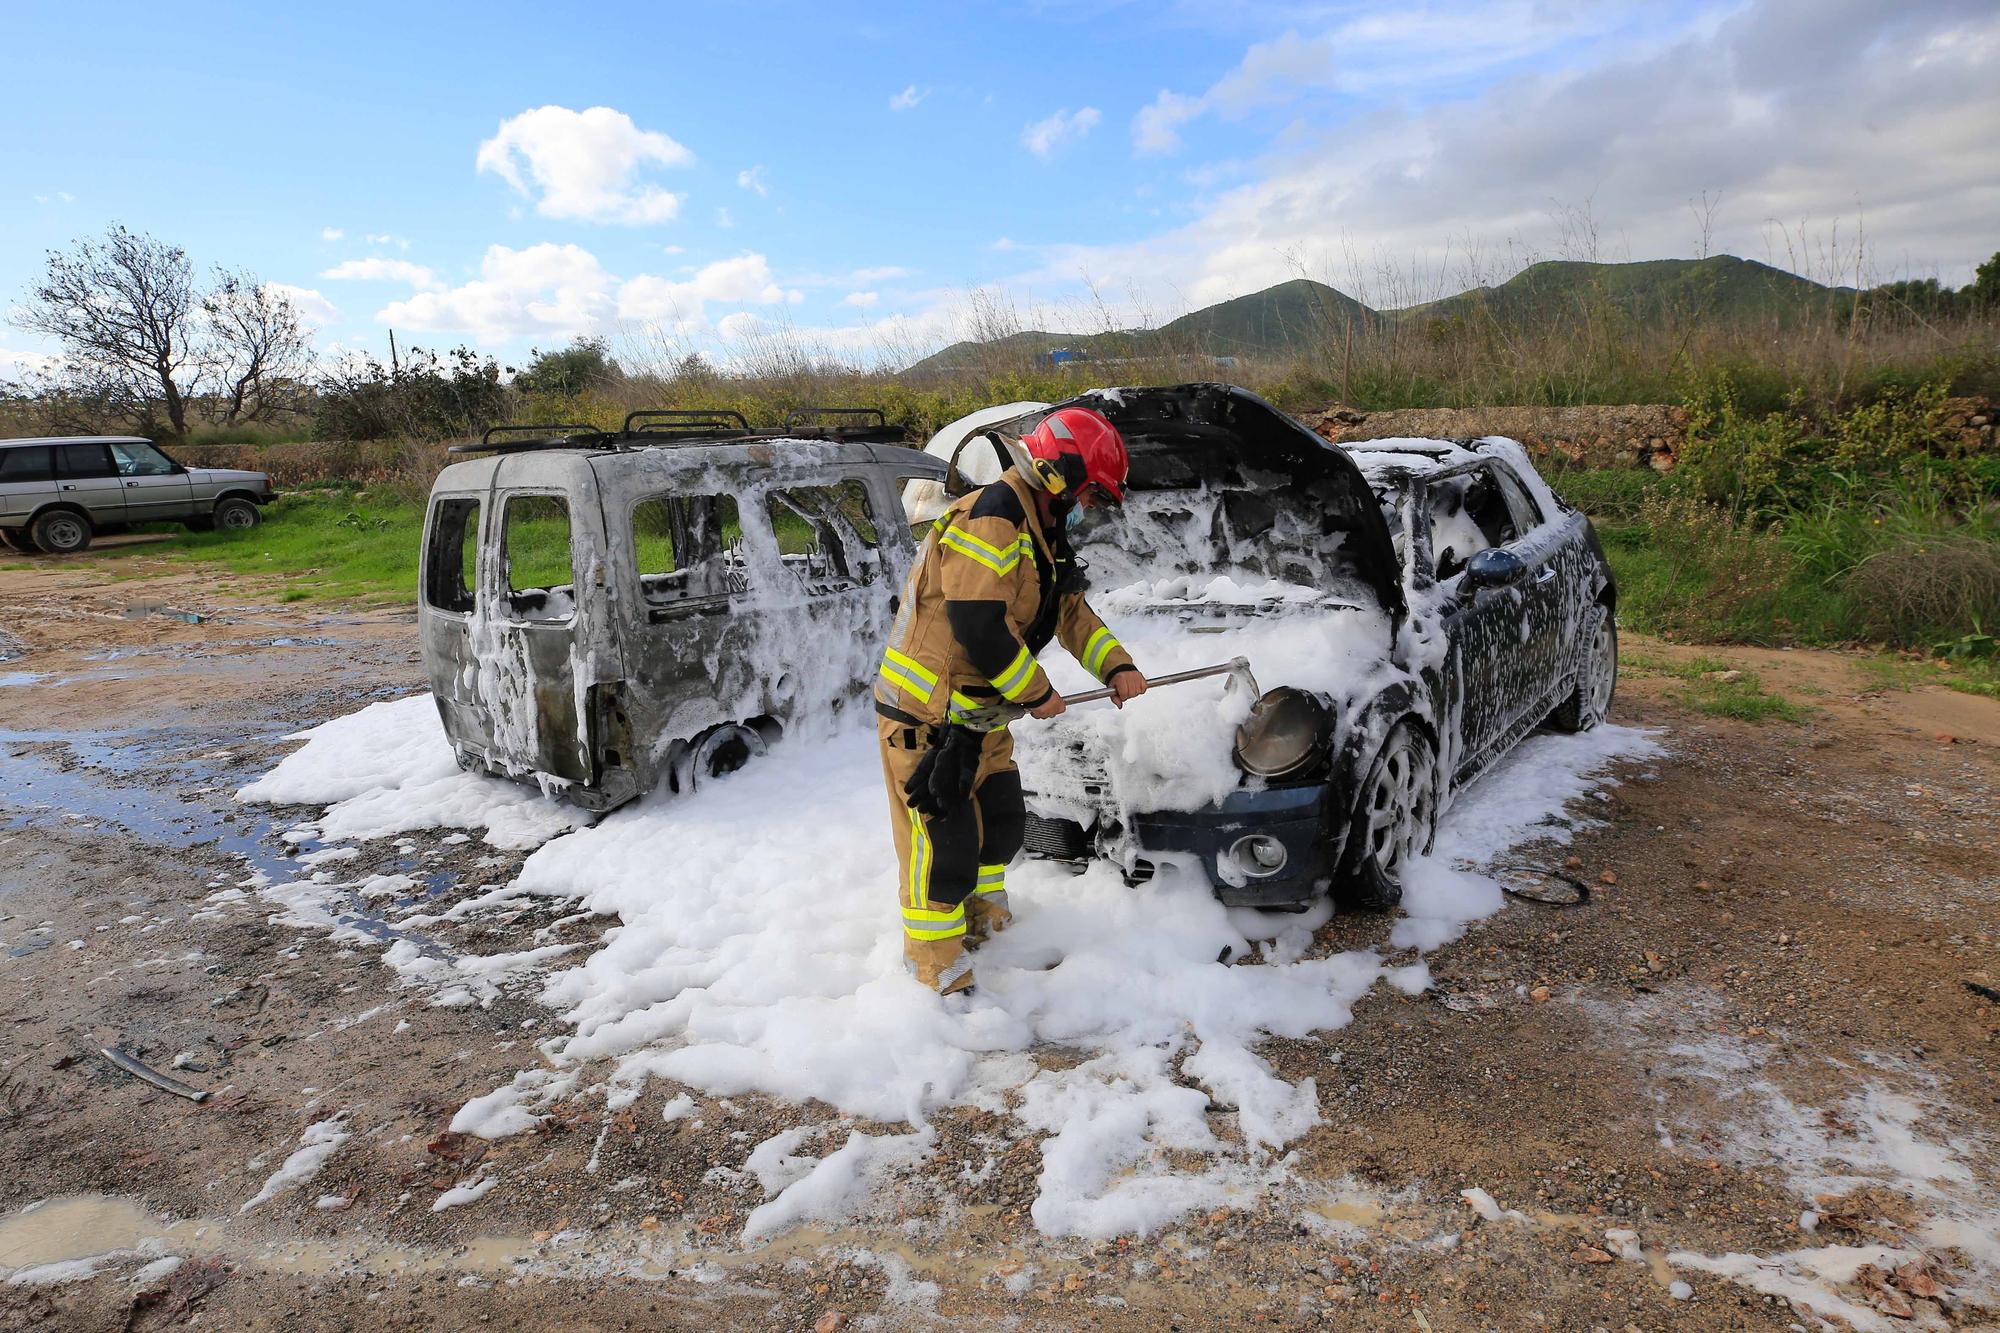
<point>499,584</point>
<point>768,497</point>
<point>680,608</point>
<point>473,533</point>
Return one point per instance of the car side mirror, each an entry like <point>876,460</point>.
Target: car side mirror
<point>1495,568</point>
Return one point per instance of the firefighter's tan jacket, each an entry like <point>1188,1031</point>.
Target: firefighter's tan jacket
<point>976,609</point>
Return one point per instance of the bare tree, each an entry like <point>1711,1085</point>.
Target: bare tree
<point>255,344</point>
<point>123,309</point>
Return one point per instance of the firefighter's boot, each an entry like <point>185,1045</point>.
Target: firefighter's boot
<point>941,964</point>
<point>986,911</point>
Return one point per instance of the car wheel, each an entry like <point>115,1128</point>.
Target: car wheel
<point>236,514</point>
<point>60,532</point>
<point>718,752</point>
<point>1597,679</point>
<point>1395,816</point>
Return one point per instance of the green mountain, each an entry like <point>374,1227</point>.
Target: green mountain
<point>1721,287</point>
<point>1284,320</point>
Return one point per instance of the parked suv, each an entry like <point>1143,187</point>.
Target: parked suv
<point>57,492</point>
<point>606,612</point>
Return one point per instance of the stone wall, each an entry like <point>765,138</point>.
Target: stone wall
<point>1638,435</point>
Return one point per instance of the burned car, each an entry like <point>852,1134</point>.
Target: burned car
<point>1410,608</point>
<point>607,612</point>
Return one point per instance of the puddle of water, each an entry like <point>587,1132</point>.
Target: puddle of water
<point>19,678</point>
<point>33,786</point>
<point>87,1226</point>
<point>146,610</point>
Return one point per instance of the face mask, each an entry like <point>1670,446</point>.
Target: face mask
<point>1074,518</point>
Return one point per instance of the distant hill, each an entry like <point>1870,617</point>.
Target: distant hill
<point>1721,287</point>
<point>1284,320</point>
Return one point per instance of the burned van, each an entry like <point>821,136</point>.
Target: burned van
<point>607,612</point>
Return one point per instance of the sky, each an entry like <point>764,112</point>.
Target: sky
<point>864,179</point>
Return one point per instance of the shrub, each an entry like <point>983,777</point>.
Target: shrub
<point>1917,589</point>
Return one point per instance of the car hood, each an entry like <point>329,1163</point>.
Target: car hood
<point>1171,749</point>
<point>257,480</point>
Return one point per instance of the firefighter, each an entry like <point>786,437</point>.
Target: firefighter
<point>994,581</point>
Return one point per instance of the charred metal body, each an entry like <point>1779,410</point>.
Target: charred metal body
<point>1489,602</point>
<point>603,613</point>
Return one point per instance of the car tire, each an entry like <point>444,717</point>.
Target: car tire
<point>15,539</point>
<point>1393,821</point>
<point>1596,679</point>
<point>233,513</point>
<point>60,532</point>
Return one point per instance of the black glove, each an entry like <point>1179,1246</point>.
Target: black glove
<point>942,782</point>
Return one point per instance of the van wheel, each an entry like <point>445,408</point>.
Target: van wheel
<point>1394,819</point>
<point>717,752</point>
<point>60,532</point>
<point>235,514</point>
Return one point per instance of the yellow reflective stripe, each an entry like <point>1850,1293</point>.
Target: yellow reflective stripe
<point>1001,560</point>
<point>923,673</point>
<point>1094,652</point>
<point>901,669</point>
<point>923,923</point>
<point>961,707</point>
<point>920,861</point>
<point>1014,681</point>
<point>992,879</point>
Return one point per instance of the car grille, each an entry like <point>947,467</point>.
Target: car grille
<point>1063,839</point>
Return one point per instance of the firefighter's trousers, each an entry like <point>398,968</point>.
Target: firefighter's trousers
<point>952,879</point>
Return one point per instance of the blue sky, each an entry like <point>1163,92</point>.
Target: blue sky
<point>700,175</point>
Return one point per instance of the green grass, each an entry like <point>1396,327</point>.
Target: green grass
<point>332,544</point>
<point>1713,686</point>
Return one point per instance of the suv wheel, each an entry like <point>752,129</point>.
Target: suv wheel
<point>60,532</point>
<point>1596,680</point>
<point>1395,816</point>
<point>236,514</point>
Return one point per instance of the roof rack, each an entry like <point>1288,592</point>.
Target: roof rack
<point>683,421</point>
<point>562,436</point>
<point>654,427</point>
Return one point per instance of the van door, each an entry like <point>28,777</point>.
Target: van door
<point>532,630</point>
<point>86,476</point>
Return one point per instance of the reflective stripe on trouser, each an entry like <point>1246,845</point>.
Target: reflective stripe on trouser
<point>941,860</point>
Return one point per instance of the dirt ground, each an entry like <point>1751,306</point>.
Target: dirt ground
<point>1786,972</point>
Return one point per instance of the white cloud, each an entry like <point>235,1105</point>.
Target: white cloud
<point>1045,136</point>
<point>388,238</point>
<point>16,363</point>
<point>59,197</point>
<point>331,233</point>
<point>382,270</point>
<point>1004,244</point>
<point>742,324</point>
<point>544,290</point>
<point>585,164</point>
<point>744,280</point>
<point>908,98</point>
<point>884,273</point>
<point>1789,111</point>
<point>313,308</point>
<point>861,300</point>
<point>753,179</point>
<point>1156,129</point>
<point>724,218</point>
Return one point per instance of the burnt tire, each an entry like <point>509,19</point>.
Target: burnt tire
<point>60,532</point>
<point>1596,679</point>
<point>233,513</point>
<point>1393,821</point>
<point>716,753</point>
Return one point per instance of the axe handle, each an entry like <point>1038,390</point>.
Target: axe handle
<point>1172,678</point>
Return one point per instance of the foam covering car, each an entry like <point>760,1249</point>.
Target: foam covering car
<point>1411,609</point>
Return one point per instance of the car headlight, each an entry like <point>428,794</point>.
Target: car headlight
<point>1286,735</point>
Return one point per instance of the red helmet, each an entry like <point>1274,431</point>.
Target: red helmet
<point>1085,449</point>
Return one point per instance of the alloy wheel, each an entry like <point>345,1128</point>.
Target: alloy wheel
<point>1400,802</point>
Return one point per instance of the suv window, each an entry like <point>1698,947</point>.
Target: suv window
<point>30,462</point>
<point>448,562</point>
<point>826,534</point>
<point>136,458</point>
<point>82,461</point>
<point>1469,514</point>
<point>685,548</point>
<point>1527,514</point>
<point>541,584</point>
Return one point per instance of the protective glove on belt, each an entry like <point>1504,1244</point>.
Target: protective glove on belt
<point>942,782</point>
